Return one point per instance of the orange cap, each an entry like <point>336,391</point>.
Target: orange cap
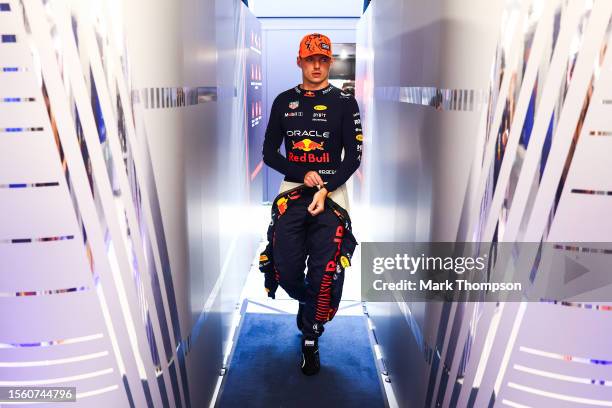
<point>315,43</point>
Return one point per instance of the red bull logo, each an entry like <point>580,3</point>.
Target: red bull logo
<point>308,145</point>
<point>308,157</point>
<point>310,94</point>
<point>281,203</point>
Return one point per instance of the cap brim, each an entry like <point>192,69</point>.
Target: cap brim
<point>315,53</point>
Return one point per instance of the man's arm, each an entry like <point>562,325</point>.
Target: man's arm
<point>352,140</point>
<point>272,143</point>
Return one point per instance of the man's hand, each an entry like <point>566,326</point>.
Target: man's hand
<point>318,202</point>
<point>312,179</point>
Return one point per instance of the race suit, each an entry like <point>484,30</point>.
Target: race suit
<point>328,241</point>
<point>315,126</point>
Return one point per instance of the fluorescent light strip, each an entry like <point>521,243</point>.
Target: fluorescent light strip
<point>564,357</point>
<point>59,361</point>
<point>21,383</point>
<point>591,192</point>
<point>8,38</point>
<point>438,98</point>
<point>26,185</point>
<point>73,340</point>
<point>21,129</point>
<point>155,98</point>
<point>576,248</point>
<point>96,392</point>
<point>44,292</point>
<point>562,377</point>
<point>514,404</point>
<point>605,308</point>
<point>17,99</point>
<point>562,397</point>
<point>509,346</point>
<point>488,345</point>
<point>29,240</point>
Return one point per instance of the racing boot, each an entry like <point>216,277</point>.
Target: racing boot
<point>310,356</point>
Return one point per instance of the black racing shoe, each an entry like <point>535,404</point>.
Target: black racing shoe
<point>310,356</point>
<point>298,318</point>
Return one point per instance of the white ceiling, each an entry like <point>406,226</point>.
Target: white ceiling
<point>306,8</point>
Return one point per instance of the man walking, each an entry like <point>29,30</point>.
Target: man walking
<point>316,121</point>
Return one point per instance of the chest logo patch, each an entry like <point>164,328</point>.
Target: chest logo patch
<point>359,137</point>
<point>307,145</point>
<point>294,104</point>
<point>320,107</point>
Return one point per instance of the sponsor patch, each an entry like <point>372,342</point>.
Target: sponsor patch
<point>293,114</point>
<point>281,203</point>
<point>344,261</point>
<point>294,104</point>
<point>309,133</point>
<point>308,157</point>
<point>309,94</point>
<point>359,137</point>
<point>307,145</point>
<point>319,117</point>
<point>320,107</point>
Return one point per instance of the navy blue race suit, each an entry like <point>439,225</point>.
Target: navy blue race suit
<point>325,242</point>
<point>315,126</point>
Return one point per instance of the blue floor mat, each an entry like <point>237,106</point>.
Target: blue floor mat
<point>265,368</point>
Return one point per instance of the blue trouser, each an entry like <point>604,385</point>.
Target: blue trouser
<point>324,245</point>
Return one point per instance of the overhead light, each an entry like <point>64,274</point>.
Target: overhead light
<point>343,54</point>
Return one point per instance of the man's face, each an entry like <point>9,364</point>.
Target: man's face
<point>315,68</point>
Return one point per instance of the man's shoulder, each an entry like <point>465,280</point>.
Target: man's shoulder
<point>289,93</point>
<point>347,96</point>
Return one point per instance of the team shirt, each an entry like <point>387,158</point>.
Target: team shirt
<point>315,126</point>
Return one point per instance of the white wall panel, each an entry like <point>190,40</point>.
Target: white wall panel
<point>151,298</point>
<point>510,190</point>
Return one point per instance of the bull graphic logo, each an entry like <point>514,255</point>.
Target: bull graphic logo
<point>294,104</point>
<point>281,203</point>
<point>307,145</point>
